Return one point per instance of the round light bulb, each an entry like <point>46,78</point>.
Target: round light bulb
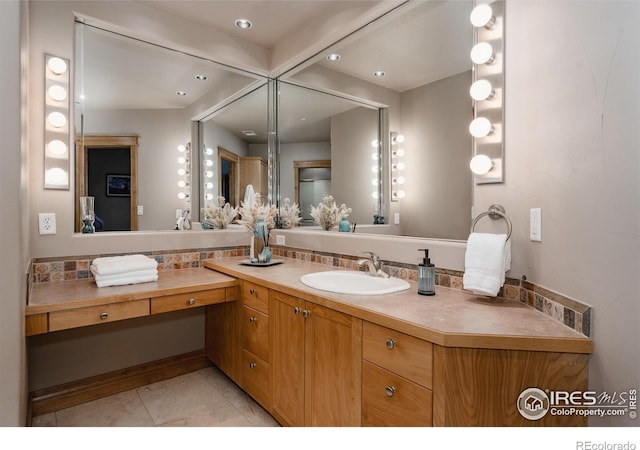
<point>375,169</point>
<point>400,180</point>
<point>181,148</point>
<point>57,148</point>
<point>482,53</point>
<point>57,119</point>
<point>374,156</point>
<point>181,172</point>
<point>181,160</point>
<point>399,139</point>
<point>208,197</point>
<point>481,90</point>
<point>208,185</point>
<point>400,152</point>
<point>209,151</point>
<point>400,166</point>
<point>181,195</point>
<point>208,174</point>
<point>57,93</point>
<point>208,163</point>
<point>480,164</point>
<point>374,143</point>
<point>400,194</point>
<point>182,183</point>
<point>56,176</point>
<point>482,16</point>
<point>375,195</point>
<point>374,182</point>
<point>480,127</point>
<point>57,65</point>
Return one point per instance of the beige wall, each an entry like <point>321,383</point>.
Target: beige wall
<point>572,148</point>
<point>13,228</point>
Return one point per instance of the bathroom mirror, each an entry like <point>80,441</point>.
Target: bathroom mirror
<point>135,104</point>
<point>423,48</point>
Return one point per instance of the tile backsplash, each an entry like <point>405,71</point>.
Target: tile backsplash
<point>563,309</point>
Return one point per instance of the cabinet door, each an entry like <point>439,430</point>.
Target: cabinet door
<point>287,360</point>
<point>333,368</point>
<point>222,337</point>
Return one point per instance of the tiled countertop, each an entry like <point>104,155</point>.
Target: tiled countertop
<point>451,318</point>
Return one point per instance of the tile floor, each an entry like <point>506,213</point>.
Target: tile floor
<point>206,398</point>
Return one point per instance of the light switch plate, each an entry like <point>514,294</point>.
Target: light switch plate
<point>140,210</point>
<point>396,218</point>
<point>535,224</point>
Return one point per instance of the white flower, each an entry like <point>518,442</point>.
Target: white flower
<point>250,214</point>
<point>219,216</point>
<point>327,214</point>
<point>289,214</point>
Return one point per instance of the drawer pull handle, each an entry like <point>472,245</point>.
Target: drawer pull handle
<point>252,320</point>
<point>391,344</point>
<point>306,313</point>
<point>252,365</point>
<point>192,301</point>
<point>390,390</point>
<point>296,310</point>
<point>104,315</point>
<point>252,291</point>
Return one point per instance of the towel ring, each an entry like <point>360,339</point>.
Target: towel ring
<point>495,212</point>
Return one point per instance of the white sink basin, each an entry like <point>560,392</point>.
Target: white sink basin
<point>352,282</point>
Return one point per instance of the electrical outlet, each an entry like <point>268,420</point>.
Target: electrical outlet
<point>396,218</point>
<point>47,223</point>
<point>140,210</point>
<point>280,240</point>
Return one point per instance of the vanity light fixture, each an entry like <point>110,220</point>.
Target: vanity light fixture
<point>184,171</point>
<point>244,24</point>
<point>397,166</point>
<point>487,91</point>
<point>57,132</point>
<point>482,16</point>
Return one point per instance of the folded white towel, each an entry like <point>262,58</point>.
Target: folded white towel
<point>487,258</point>
<point>122,264</point>
<point>134,277</point>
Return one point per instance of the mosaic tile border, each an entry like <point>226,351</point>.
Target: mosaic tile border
<point>563,309</point>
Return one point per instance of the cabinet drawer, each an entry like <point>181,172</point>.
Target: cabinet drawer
<point>188,300</point>
<point>389,400</point>
<point>255,378</point>
<point>255,332</point>
<point>92,315</point>
<point>255,296</point>
<point>400,353</point>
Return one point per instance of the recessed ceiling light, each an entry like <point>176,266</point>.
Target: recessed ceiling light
<point>181,93</point>
<point>379,73</point>
<point>201,77</point>
<point>333,57</point>
<point>244,23</point>
<point>249,133</point>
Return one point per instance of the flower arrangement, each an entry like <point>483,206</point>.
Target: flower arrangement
<point>327,214</point>
<point>219,216</point>
<point>250,214</point>
<point>289,214</point>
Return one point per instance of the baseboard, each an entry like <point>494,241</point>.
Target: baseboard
<point>77,392</point>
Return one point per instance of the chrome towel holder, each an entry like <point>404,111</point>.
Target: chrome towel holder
<point>495,212</point>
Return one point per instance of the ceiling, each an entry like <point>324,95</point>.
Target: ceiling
<point>413,48</point>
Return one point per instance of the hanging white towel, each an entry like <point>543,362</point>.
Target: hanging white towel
<point>111,265</point>
<point>134,277</point>
<point>487,258</point>
<point>249,196</point>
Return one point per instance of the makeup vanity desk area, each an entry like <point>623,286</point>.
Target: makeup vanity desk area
<point>72,304</point>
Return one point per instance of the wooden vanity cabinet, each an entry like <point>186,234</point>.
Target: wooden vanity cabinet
<point>397,378</point>
<point>316,370</point>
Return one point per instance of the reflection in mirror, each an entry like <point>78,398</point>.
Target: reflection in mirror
<point>234,139</point>
<point>125,87</point>
<point>326,149</point>
<point>423,49</point>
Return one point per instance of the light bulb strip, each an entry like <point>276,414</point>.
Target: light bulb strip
<point>184,171</point>
<point>396,166</point>
<point>57,129</point>
<point>487,92</point>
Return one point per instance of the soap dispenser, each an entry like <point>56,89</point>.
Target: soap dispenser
<point>426,275</point>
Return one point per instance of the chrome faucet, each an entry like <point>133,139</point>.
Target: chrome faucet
<point>374,264</point>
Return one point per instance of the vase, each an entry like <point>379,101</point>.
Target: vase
<point>87,214</point>
<point>261,238</point>
<point>344,225</point>
<point>264,256</point>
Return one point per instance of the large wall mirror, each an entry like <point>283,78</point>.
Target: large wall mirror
<point>423,49</point>
<point>135,106</point>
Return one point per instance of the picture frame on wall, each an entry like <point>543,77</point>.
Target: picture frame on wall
<point>118,185</point>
